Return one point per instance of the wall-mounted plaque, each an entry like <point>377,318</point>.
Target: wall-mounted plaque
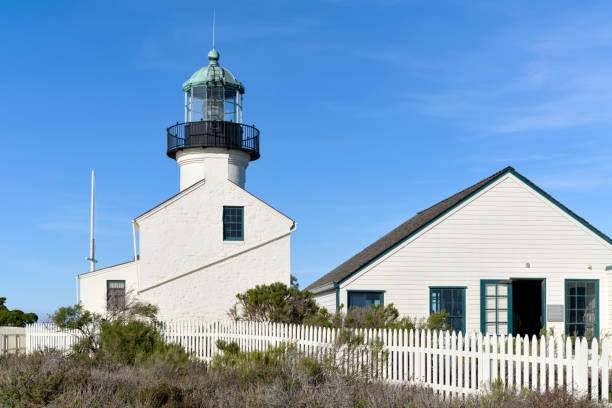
<point>554,313</point>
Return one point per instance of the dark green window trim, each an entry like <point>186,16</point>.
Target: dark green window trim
<point>233,223</point>
<point>609,268</point>
<point>441,290</point>
<point>115,294</point>
<point>483,301</point>
<point>478,190</point>
<point>337,288</point>
<point>577,308</point>
<point>381,294</point>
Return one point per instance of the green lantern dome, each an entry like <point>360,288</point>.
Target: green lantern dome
<point>213,74</point>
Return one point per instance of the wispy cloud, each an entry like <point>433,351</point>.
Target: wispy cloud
<point>563,81</point>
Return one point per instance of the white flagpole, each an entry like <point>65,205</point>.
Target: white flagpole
<point>92,242</point>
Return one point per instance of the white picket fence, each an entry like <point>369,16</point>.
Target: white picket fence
<point>12,340</point>
<point>450,364</point>
<point>43,336</point>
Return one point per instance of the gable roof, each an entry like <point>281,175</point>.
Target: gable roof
<point>197,185</point>
<point>175,197</point>
<point>424,218</point>
<point>263,202</point>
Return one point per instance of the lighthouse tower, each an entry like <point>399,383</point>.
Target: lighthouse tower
<point>213,143</point>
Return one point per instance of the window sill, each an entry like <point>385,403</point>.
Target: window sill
<point>234,242</point>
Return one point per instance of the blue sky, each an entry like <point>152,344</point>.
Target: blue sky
<point>369,112</point>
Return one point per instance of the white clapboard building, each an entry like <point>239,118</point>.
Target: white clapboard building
<point>501,256</point>
<point>195,251</point>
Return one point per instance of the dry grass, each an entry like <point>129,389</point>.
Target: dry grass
<point>263,380</point>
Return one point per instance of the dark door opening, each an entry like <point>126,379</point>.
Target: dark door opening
<point>527,316</point>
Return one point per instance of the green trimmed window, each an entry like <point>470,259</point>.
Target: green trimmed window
<point>233,223</point>
<point>495,301</point>
<point>582,307</point>
<point>451,300</point>
<point>365,298</point>
<point>115,294</point>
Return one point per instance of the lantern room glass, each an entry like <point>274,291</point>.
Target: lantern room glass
<point>213,102</point>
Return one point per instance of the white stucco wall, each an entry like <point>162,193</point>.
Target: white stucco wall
<point>212,163</point>
<point>184,265</point>
<point>186,234</point>
<point>93,285</point>
<point>491,236</point>
<point>208,293</point>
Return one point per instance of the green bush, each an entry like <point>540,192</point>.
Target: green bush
<point>276,303</point>
<point>128,336</point>
<point>279,303</point>
<point>126,342</point>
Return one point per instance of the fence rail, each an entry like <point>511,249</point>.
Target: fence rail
<point>448,363</point>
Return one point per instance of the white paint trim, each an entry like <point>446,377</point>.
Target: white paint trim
<point>105,270</point>
<point>322,288</point>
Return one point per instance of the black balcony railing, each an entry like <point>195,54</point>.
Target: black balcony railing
<point>213,133</point>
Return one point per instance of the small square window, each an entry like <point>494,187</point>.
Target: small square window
<point>233,223</point>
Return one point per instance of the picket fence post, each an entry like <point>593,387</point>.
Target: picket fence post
<point>605,366</point>
<point>581,367</point>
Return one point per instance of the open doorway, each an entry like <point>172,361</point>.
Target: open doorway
<point>527,306</point>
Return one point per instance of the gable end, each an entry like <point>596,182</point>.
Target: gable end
<point>346,270</point>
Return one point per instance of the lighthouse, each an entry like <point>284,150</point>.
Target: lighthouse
<point>213,239</point>
<point>213,143</point>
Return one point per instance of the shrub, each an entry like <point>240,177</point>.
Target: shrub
<point>126,336</point>
<point>126,342</point>
<point>276,303</point>
<point>279,303</point>
<point>291,380</point>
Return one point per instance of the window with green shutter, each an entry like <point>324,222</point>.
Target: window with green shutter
<point>233,223</point>
<point>451,300</point>
<point>365,298</point>
<point>494,303</point>
<point>582,307</point>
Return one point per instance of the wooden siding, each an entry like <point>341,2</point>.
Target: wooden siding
<point>327,300</point>
<point>493,235</point>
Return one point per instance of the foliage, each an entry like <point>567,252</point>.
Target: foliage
<point>276,303</point>
<point>16,317</point>
<point>281,377</point>
<point>83,321</point>
<point>294,282</point>
<point>279,303</point>
<point>127,341</point>
<point>377,317</point>
<point>126,336</point>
